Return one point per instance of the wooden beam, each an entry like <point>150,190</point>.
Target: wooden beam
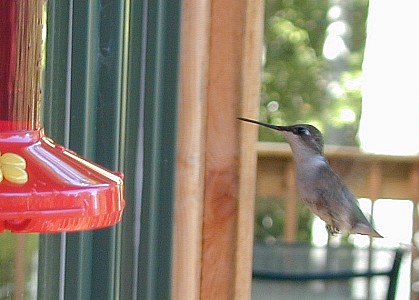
<point>216,159</point>
<point>222,150</point>
<point>291,208</point>
<point>250,75</point>
<point>233,91</point>
<point>191,151</point>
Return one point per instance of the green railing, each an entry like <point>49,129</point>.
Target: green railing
<point>111,95</point>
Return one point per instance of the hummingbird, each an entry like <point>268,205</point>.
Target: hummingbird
<point>319,187</point>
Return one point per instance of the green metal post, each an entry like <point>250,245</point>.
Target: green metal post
<point>55,86</point>
<point>109,127</point>
<point>152,80</point>
<point>160,107</point>
<point>117,106</point>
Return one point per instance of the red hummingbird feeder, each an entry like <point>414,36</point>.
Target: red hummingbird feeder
<point>44,187</point>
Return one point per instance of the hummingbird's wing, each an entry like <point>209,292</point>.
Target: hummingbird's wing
<point>338,205</point>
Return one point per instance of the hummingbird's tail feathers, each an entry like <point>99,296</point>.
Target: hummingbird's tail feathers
<point>366,230</point>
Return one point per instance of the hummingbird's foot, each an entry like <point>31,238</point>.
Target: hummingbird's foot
<point>332,230</point>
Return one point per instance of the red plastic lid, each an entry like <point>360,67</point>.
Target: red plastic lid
<point>47,188</point>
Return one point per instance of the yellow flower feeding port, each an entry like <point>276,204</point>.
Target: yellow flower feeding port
<point>44,187</point>
<point>12,168</point>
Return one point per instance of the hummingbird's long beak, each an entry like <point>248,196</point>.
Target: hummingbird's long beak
<point>280,128</point>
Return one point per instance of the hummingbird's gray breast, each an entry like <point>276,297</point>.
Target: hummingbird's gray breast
<point>326,195</point>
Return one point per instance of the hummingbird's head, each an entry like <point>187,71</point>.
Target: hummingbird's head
<point>304,139</point>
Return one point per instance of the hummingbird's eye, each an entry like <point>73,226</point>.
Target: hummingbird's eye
<point>301,130</point>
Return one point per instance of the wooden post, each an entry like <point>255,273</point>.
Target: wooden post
<point>215,189</point>
<point>249,106</point>
<point>414,186</point>
<point>191,151</point>
<point>233,88</point>
<point>291,209</point>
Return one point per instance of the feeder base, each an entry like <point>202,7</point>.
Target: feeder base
<point>47,188</point>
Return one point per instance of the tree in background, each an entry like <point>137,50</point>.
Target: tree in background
<point>312,66</point>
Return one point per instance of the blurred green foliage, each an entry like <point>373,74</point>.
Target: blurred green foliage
<point>7,260</point>
<point>299,84</point>
<point>270,219</point>
<point>7,253</point>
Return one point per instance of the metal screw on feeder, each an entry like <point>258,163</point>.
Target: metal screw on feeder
<point>43,186</point>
